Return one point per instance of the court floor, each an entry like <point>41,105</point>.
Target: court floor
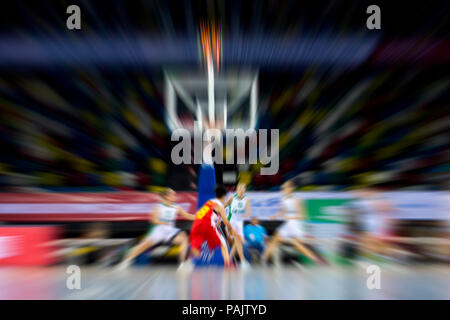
<point>287,282</point>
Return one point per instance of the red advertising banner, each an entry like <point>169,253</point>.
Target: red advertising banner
<point>29,245</point>
<point>124,206</point>
<point>120,206</point>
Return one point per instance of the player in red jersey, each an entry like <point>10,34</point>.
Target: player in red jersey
<point>204,227</point>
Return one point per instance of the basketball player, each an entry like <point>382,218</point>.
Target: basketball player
<point>239,210</point>
<point>292,230</point>
<point>163,229</point>
<point>377,213</point>
<point>204,226</point>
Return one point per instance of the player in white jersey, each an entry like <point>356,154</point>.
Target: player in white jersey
<point>377,217</point>
<point>292,229</point>
<point>163,229</point>
<point>238,210</point>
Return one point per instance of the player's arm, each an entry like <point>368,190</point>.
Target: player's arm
<point>155,217</point>
<point>247,210</point>
<point>221,211</point>
<point>228,202</point>
<point>219,220</point>
<point>279,214</point>
<point>185,214</point>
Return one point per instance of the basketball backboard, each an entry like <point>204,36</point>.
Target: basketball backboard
<point>225,100</point>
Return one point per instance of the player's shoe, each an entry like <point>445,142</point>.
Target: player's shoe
<point>123,265</point>
<point>245,266</point>
<point>264,263</point>
<point>185,267</point>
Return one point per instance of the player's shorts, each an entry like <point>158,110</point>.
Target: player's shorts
<point>291,229</point>
<point>205,232</point>
<point>162,233</point>
<point>238,227</point>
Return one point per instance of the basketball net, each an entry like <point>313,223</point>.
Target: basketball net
<point>214,99</point>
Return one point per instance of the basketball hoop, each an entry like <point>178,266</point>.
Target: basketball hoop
<point>227,100</point>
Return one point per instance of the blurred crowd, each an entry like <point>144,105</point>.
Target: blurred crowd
<point>86,110</point>
<point>79,128</point>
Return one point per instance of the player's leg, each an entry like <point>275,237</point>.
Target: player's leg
<point>135,251</point>
<point>239,248</point>
<point>238,244</point>
<point>272,245</point>
<point>197,237</point>
<point>223,246</point>
<point>225,255</point>
<point>283,232</point>
<point>153,236</point>
<point>232,240</point>
<point>214,240</point>
<point>238,227</point>
<point>195,252</point>
<point>182,240</point>
<point>157,234</point>
<point>296,243</point>
<point>185,264</point>
<point>233,251</point>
